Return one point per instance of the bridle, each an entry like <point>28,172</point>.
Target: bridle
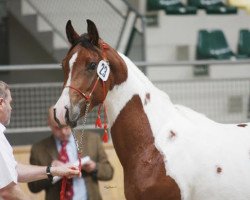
<point>87,98</point>
<point>98,123</point>
<point>84,95</point>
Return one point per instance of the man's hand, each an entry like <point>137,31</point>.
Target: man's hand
<point>56,163</point>
<point>66,170</point>
<point>89,166</point>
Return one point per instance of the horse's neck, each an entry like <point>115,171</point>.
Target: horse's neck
<point>136,109</point>
<point>136,84</point>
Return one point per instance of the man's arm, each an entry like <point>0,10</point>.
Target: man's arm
<point>37,186</point>
<point>28,173</point>
<point>13,192</point>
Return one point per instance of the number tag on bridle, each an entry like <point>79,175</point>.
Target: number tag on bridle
<point>103,70</point>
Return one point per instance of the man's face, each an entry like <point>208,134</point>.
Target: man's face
<point>6,108</point>
<point>62,133</point>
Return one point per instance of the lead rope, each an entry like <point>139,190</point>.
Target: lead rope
<point>105,135</point>
<point>79,148</point>
<point>98,121</point>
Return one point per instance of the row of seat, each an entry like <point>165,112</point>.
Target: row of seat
<point>170,6</point>
<point>213,45</point>
<point>210,6</point>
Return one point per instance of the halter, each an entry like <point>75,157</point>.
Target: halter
<point>87,97</point>
<point>98,123</point>
<point>98,120</point>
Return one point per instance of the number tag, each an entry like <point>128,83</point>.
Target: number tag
<point>103,70</point>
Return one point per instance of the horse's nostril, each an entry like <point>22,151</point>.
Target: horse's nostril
<point>67,115</point>
<point>71,123</point>
<point>56,119</point>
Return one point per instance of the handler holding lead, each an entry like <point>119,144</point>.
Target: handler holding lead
<point>13,172</point>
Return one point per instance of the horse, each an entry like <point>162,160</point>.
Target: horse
<point>167,151</point>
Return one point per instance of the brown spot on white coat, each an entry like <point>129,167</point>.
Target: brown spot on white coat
<point>242,125</point>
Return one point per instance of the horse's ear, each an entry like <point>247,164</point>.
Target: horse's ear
<point>71,34</point>
<point>93,33</point>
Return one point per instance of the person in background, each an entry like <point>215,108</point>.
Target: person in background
<point>12,172</point>
<point>60,148</point>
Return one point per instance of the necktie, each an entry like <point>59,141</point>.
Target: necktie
<point>63,157</point>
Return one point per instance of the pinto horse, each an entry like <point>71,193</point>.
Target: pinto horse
<point>167,151</point>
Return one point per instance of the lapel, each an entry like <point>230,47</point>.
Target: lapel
<point>84,138</point>
<point>85,143</point>
<point>51,148</point>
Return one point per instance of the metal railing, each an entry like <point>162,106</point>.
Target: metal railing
<point>56,14</point>
<point>140,64</point>
<point>222,99</point>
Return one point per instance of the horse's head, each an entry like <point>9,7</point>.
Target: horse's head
<point>87,77</point>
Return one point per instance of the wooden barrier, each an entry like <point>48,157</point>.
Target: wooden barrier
<point>110,190</point>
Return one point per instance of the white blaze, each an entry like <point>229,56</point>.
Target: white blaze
<point>64,100</point>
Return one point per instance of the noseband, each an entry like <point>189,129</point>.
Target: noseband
<point>84,95</point>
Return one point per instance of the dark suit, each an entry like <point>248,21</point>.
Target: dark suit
<point>43,152</point>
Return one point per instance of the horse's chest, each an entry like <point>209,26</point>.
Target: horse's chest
<point>144,169</point>
<point>146,180</point>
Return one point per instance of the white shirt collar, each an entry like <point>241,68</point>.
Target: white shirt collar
<point>71,139</point>
<point>2,128</point>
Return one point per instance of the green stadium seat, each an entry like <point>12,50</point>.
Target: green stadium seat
<point>221,10</point>
<point>154,5</point>
<point>220,45</point>
<point>244,43</point>
<point>171,7</point>
<point>213,45</point>
<point>203,47</point>
<point>203,4</point>
<point>213,6</point>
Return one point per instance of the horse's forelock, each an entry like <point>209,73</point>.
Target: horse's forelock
<point>85,42</point>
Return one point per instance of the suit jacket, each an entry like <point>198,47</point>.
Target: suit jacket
<point>43,152</point>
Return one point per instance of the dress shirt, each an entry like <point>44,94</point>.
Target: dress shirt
<point>79,187</point>
<point>8,163</point>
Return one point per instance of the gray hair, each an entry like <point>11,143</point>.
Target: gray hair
<point>3,89</point>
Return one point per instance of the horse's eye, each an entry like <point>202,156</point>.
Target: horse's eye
<point>91,66</point>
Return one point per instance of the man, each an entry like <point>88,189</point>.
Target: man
<point>12,172</point>
<point>48,151</point>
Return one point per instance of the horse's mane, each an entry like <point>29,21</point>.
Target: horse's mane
<point>135,69</point>
<point>188,113</point>
<point>139,74</point>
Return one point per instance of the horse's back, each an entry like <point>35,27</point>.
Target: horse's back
<point>200,119</point>
<point>208,160</point>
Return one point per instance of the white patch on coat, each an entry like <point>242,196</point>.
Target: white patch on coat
<point>118,97</point>
<point>64,99</point>
<point>199,147</point>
